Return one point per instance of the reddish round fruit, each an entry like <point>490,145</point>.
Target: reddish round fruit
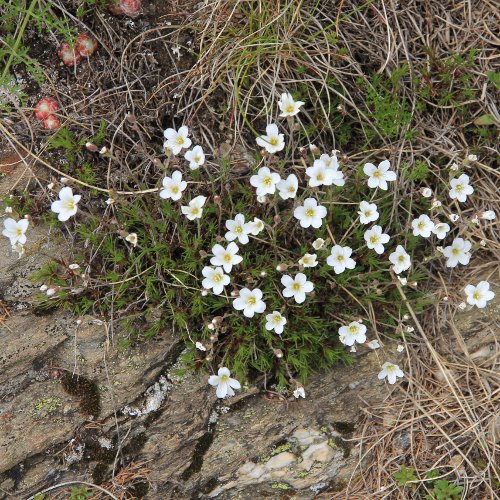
<point>131,8</point>
<point>51,122</point>
<point>69,56</point>
<point>85,44</point>
<point>46,107</point>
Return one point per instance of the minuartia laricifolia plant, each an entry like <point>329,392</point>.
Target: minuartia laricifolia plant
<point>85,44</point>
<point>130,8</point>
<point>45,108</point>
<point>68,55</point>
<point>51,122</point>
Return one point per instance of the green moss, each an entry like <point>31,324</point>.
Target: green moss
<point>280,486</point>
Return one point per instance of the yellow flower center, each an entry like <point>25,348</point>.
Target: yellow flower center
<point>373,239</point>
<point>290,108</point>
<point>401,258</point>
<point>251,301</point>
<point>310,212</point>
<point>368,213</point>
<point>296,287</point>
<point>179,140</point>
<point>320,177</point>
<point>224,378</point>
<point>291,189</point>
<point>353,329</point>
<point>175,189</point>
<point>273,141</point>
<point>459,188</point>
<point>277,318</point>
<point>421,225</point>
<point>197,159</point>
<point>267,181</point>
<point>340,258</point>
<point>376,174</point>
<point>19,231</point>
<point>476,295</point>
<point>238,229</point>
<point>455,251</point>
<point>390,368</point>
<point>70,205</point>
<point>227,257</point>
<point>218,278</point>
<point>195,211</point>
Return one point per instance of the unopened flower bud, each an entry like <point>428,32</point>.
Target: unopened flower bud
<point>203,254</point>
<point>278,353</point>
<point>91,147</point>
<point>73,266</point>
<point>488,215</point>
<point>263,274</point>
<point>43,288</point>
<point>426,192</point>
<point>217,320</point>
<point>204,293</point>
<point>462,306</point>
<point>210,326</point>
<point>50,186</point>
<point>281,267</point>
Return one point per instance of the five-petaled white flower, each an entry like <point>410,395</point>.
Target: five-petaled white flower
<point>195,157</point>
<point>195,208</point>
<point>215,279</point>
<point>379,176</point>
<point>400,260</point>
<point>310,213</point>
<point>265,181</point>
<point>367,212</point>
<point>320,175</point>
<point>288,105</point>
<point>423,226</point>
<point>296,287</point>
<point>132,238</point>
<point>15,231</point>
<point>441,229</point>
<point>255,226</point>
<point>308,260</point>
<point>478,295</point>
<point>460,188</point>
<point>173,187</point>
<point>288,187</point>
<point>237,229</point>
<point>224,383</point>
<point>457,252</point>
<point>250,302</point>
<point>176,139</point>
<point>340,259</point>
<point>391,371</point>
<point>66,205</point>
<point>226,257</point>
<point>273,141</point>
<point>275,321</point>
<point>376,239</point>
<point>353,332</point>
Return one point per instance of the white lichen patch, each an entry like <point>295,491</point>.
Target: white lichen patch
<point>154,398</point>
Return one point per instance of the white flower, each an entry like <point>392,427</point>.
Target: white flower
<point>354,332</point>
<point>391,371</point>
<point>318,243</point>
<point>321,175</point>
<point>479,295</point>
<point>237,229</point>
<point>435,203</point>
<point>8,210</point>
<point>488,215</point>
<point>453,217</point>
<point>330,161</point>
<point>226,257</point>
<point>195,157</point>
<point>15,231</point>
<point>299,393</point>
<point>310,213</point>
<point>65,206</point>
<point>373,344</point>
<point>273,141</point>
<point>224,383</point>
<point>308,260</point>
<point>265,181</point>
<point>262,199</point>
<point>460,188</point>
<point>441,229</point>
<point>132,238</point>
<point>176,139</point>
<point>250,302</point>
<point>376,239</point>
<point>288,106</point>
<point>472,157</point>
<point>200,346</point>
<point>423,226</point>
<point>255,227</point>
<point>173,187</point>
<point>195,208</point>
<point>73,267</point>
<point>340,259</point>
<point>110,201</point>
<point>400,348</point>
<point>275,321</point>
<point>426,192</point>
<point>379,176</point>
<point>288,187</point>
<point>457,252</point>
<point>400,260</point>
<point>367,212</point>
<point>296,287</point>
<point>215,279</point>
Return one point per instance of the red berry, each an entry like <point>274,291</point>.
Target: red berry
<point>46,107</point>
<point>131,8</point>
<point>51,122</point>
<point>85,44</point>
<point>69,56</point>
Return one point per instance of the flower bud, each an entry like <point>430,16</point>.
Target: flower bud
<point>68,55</point>
<point>85,44</point>
<point>91,147</point>
<point>45,108</point>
